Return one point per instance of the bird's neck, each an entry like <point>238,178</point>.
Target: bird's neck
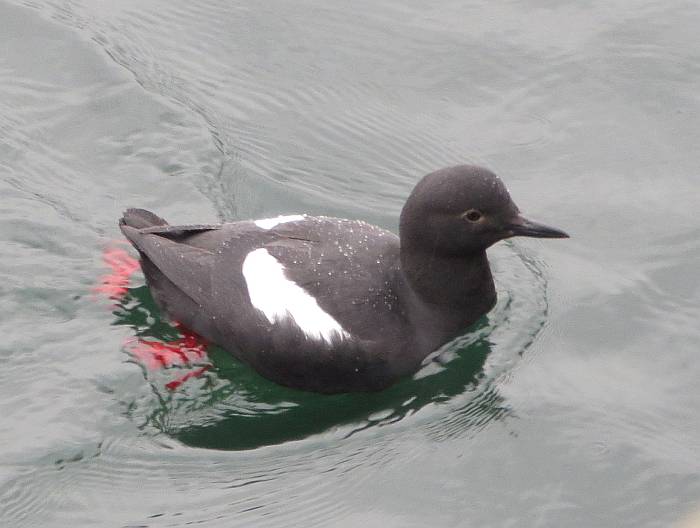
<point>450,292</point>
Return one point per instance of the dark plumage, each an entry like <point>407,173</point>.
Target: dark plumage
<point>332,305</point>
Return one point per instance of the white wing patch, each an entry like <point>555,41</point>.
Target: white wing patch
<point>269,223</point>
<point>278,298</point>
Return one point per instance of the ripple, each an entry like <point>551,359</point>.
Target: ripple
<point>229,109</point>
<point>323,131</point>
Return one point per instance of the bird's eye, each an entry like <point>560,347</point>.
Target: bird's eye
<point>473,215</point>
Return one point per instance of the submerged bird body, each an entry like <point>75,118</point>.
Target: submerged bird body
<point>333,305</point>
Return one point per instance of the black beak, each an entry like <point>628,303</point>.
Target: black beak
<point>520,226</point>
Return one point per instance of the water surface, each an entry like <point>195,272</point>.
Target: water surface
<point>574,403</point>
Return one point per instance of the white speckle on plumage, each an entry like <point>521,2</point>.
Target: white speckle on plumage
<point>277,297</point>
<point>269,223</point>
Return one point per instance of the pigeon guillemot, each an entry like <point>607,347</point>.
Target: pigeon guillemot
<point>332,305</point>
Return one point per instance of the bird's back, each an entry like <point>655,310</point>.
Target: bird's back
<point>308,301</point>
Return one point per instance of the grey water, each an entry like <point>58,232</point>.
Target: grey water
<point>574,403</point>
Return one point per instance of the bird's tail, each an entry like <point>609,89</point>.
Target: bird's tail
<point>140,219</point>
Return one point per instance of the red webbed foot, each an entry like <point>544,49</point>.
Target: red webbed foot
<point>188,351</point>
<point>122,265</point>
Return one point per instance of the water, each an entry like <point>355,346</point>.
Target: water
<point>574,403</point>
